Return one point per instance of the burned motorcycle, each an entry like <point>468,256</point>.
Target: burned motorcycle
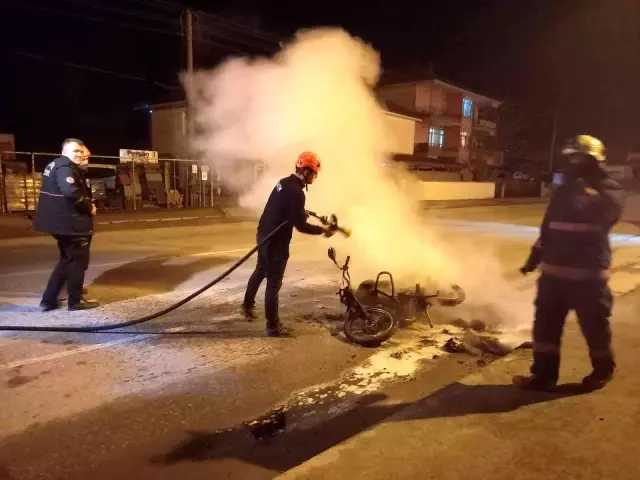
<point>373,314</point>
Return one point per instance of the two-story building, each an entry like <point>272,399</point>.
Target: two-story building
<point>169,130</point>
<point>456,124</point>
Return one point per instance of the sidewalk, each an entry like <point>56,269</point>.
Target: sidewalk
<point>483,428</point>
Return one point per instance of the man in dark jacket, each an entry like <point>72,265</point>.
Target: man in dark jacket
<point>84,166</point>
<point>66,212</point>
<point>286,203</point>
<point>574,256</point>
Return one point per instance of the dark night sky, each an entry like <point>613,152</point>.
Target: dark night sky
<point>580,56</point>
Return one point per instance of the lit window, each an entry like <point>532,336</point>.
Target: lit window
<point>467,107</point>
<point>436,137</point>
<point>464,139</point>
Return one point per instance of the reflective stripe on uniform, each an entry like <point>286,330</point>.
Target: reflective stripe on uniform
<point>546,347</point>
<point>51,194</point>
<point>572,273</point>
<point>574,227</point>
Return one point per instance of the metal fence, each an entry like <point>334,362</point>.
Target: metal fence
<point>117,183</point>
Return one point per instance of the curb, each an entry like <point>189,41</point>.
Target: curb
<point>157,219</point>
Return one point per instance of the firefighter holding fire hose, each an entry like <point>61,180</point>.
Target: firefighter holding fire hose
<point>286,202</point>
<point>574,255</point>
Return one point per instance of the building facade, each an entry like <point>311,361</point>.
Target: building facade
<point>456,124</point>
<point>169,131</point>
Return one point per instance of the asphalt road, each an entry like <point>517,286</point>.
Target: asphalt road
<point>173,405</point>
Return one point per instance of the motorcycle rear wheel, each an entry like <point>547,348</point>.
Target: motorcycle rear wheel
<point>382,327</point>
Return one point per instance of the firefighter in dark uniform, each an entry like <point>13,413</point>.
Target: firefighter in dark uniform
<point>286,202</point>
<point>66,212</point>
<point>574,255</point>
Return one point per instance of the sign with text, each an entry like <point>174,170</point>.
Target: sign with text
<point>139,156</point>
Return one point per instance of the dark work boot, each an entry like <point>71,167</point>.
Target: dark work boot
<point>85,292</point>
<point>48,306</point>
<point>279,331</point>
<point>249,312</point>
<point>603,370</point>
<point>534,382</point>
<point>544,373</point>
<point>83,305</point>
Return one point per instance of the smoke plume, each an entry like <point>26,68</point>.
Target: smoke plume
<point>317,94</point>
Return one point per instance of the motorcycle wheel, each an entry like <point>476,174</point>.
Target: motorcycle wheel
<point>383,326</point>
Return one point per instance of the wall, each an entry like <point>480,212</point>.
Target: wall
<point>457,190</point>
<point>423,97</point>
<point>452,138</point>
<point>454,104</point>
<point>400,134</point>
<point>438,176</point>
<point>438,100</point>
<point>168,129</point>
<point>422,132</point>
<point>401,95</point>
<point>168,132</point>
<point>7,143</point>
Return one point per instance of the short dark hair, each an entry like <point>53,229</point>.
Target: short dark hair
<point>67,141</point>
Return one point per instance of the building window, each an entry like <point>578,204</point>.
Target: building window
<point>467,107</point>
<point>464,139</point>
<point>436,137</point>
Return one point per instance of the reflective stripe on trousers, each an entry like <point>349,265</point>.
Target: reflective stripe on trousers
<point>574,227</point>
<point>573,273</point>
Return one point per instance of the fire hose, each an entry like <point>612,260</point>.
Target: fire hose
<point>170,308</point>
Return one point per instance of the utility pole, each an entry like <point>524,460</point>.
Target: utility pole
<point>189,72</point>
<point>190,129</point>
<point>554,133</point>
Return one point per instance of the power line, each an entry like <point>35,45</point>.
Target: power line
<point>145,28</point>
<point>240,26</point>
<point>97,19</point>
<point>97,70</point>
<point>209,42</point>
<point>166,6</point>
<point>121,11</point>
<point>216,44</point>
<point>240,41</point>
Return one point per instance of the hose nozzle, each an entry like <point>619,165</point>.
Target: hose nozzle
<point>332,222</point>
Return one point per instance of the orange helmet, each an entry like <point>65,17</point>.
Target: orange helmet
<point>308,160</point>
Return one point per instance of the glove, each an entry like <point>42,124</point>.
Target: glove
<point>526,269</point>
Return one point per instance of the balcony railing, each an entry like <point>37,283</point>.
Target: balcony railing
<point>484,124</point>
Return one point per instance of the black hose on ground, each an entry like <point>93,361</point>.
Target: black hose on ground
<point>153,316</point>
